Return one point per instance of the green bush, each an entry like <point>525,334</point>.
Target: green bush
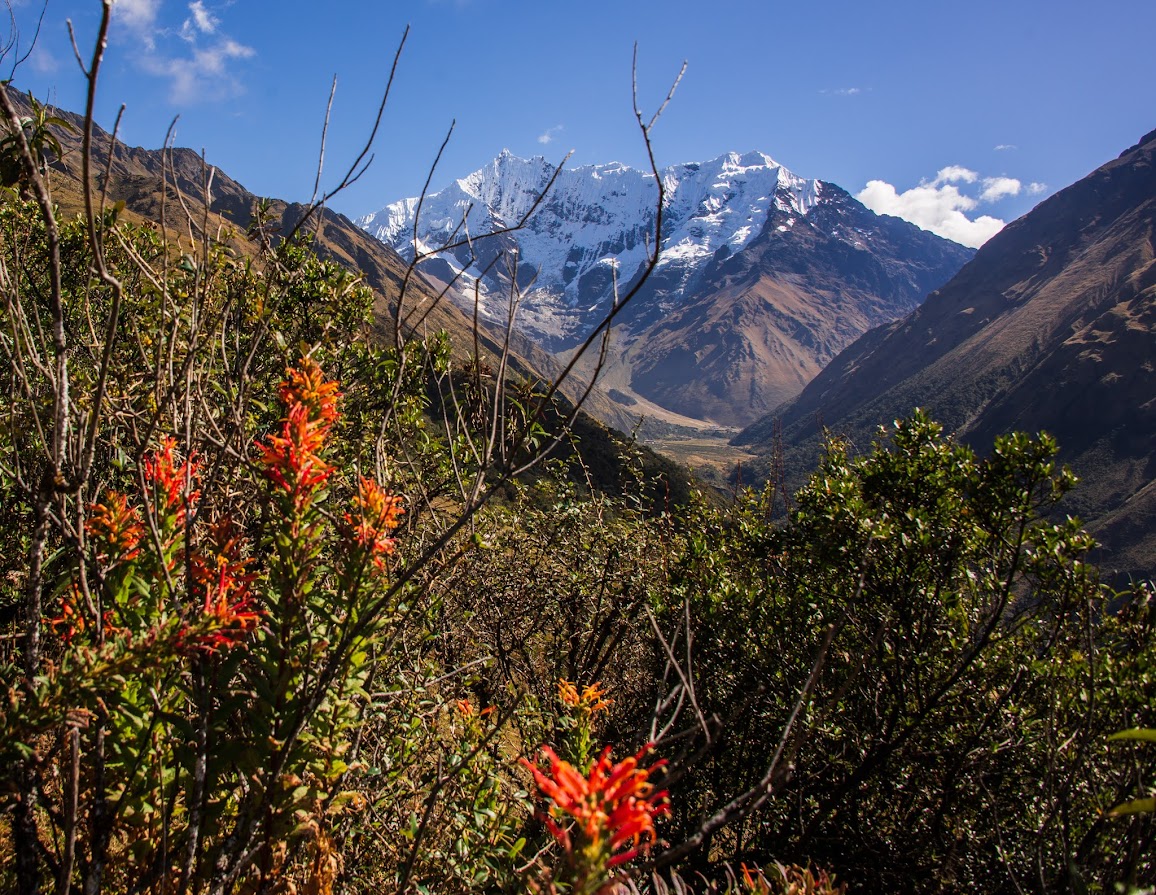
<point>955,739</point>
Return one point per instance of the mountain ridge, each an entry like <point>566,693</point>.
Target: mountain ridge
<point>763,275</point>
<point>1050,327</point>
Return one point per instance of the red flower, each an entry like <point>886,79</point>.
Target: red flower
<point>229,614</point>
<point>376,518</point>
<point>174,479</point>
<point>220,563</point>
<point>230,621</point>
<point>229,611</point>
<point>293,458</point>
<point>614,805</point>
<point>116,526</point>
<point>306,386</point>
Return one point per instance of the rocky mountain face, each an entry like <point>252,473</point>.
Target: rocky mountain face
<point>763,275</point>
<point>178,189</point>
<point>1052,326</point>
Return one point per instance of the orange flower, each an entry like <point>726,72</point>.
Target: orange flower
<point>568,693</point>
<point>466,709</point>
<point>613,806</point>
<point>306,386</point>
<point>755,882</point>
<point>116,526</point>
<point>70,622</point>
<point>229,611</point>
<point>293,458</point>
<point>376,518</point>
<point>591,700</point>
<point>174,479</point>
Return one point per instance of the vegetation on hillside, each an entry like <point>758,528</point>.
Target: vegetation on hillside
<point>287,608</point>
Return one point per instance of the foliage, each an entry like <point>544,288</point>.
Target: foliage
<point>212,602</point>
<point>955,736</point>
<point>38,129</point>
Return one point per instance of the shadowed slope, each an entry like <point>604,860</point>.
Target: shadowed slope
<point>1052,326</point>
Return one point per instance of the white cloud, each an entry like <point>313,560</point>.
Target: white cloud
<point>936,207</point>
<point>200,21</point>
<point>944,203</point>
<point>842,91</point>
<point>954,174</point>
<point>140,17</point>
<point>1005,147</point>
<point>549,134</point>
<point>996,188</point>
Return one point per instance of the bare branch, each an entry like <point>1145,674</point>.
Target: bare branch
<point>324,134</point>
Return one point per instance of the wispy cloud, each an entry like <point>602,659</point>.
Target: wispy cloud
<point>195,56</point>
<point>200,21</point>
<point>843,91</point>
<point>1005,147</point>
<point>42,61</point>
<point>549,134</point>
<point>996,188</point>
<point>205,75</point>
<point>139,17</point>
<point>945,203</point>
<point>1035,188</point>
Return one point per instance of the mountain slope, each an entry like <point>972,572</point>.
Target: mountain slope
<point>763,276</point>
<point>1052,326</point>
<point>761,323</point>
<point>172,185</point>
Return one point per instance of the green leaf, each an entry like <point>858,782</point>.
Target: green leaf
<point>1146,735</point>
<point>1136,806</point>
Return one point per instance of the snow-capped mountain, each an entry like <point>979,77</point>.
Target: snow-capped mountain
<point>595,227</point>
<point>707,337</point>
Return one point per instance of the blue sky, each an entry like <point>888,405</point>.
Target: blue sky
<point>955,115</point>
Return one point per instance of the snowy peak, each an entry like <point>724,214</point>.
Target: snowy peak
<point>591,233</point>
<point>763,275</point>
<point>507,186</point>
<point>726,202</point>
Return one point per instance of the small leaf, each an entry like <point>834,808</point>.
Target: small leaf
<point>1137,806</point>
<point>1147,735</point>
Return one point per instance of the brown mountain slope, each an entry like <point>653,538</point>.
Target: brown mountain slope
<point>758,325</point>
<point>173,186</point>
<point>1052,326</point>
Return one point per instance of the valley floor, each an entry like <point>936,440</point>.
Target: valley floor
<point>708,454</point>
